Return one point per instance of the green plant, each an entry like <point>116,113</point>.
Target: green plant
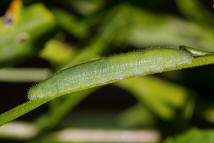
<point>80,66</point>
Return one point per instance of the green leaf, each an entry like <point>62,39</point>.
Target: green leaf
<point>193,136</point>
<point>137,116</point>
<point>85,7</point>
<point>23,74</point>
<point>142,29</point>
<point>163,101</point>
<point>195,10</point>
<point>57,52</point>
<point>71,23</point>
<point>20,39</point>
<point>49,120</point>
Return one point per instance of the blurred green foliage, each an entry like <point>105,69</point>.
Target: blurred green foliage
<point>194,135</point>
<point>20,40</point>
<point>70,32</point>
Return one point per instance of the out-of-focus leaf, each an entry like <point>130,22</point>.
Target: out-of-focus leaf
<point>145,29</point>
<point>51,119</point>
<point>23,74</point>
<point>136,117</point>
<point>205,110</point>
<point>189,108</point>
<point>57,52</point>
<point>107,33</point>
<point>150,31</point>
<point>71,23</point>
<point>84,7</point>
<point>160,96</point>
<point>209,115</point>
<point>195,10</point>
<point>25,37</point>
<point>193,136</point>
<point>92,118</point>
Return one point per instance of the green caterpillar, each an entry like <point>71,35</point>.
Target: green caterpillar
<point>110,69</point>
